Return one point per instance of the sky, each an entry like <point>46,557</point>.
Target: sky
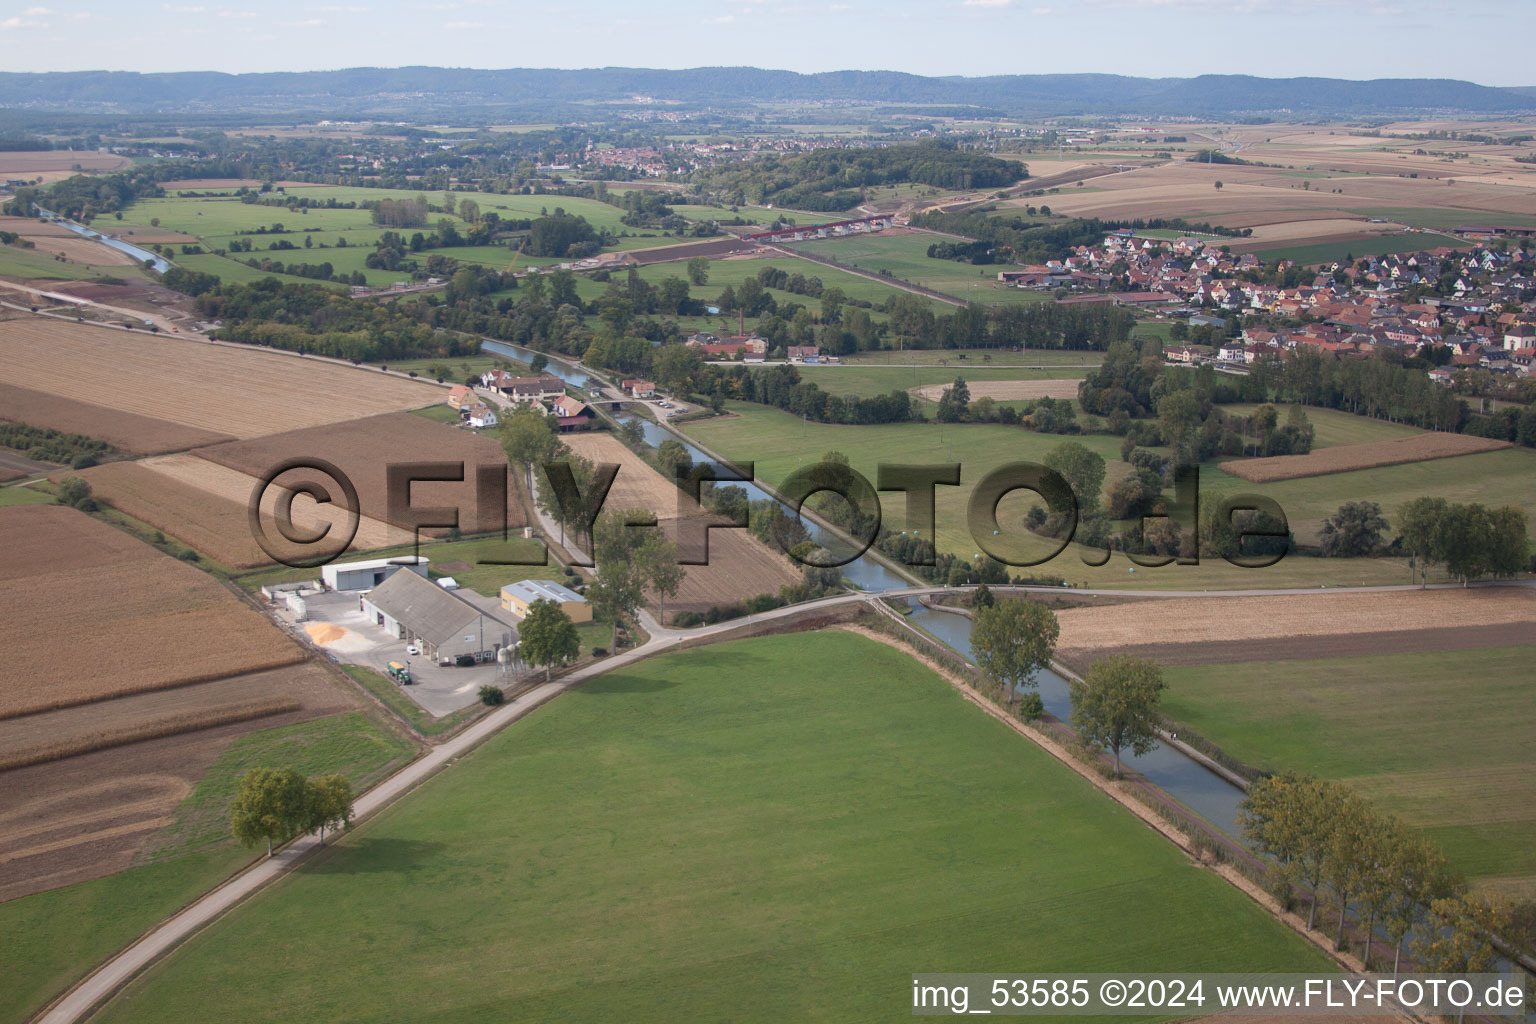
<point>1154,38</point>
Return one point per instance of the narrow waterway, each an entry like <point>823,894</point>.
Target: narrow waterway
<point>160,263</point>
<point>1187,781</point>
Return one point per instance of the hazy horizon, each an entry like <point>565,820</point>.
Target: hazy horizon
<point>962,38</point>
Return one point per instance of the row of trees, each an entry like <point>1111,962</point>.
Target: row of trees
<point>1325,838</point>
<point>1471,541</point>
<point>276,804</point>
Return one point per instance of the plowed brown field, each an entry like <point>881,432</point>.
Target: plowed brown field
<point>125,430</point>
<point>365,448</point>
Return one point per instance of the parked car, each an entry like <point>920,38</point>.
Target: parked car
<point>413,650</point>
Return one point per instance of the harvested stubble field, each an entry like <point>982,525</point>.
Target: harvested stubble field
<point>1350,457</point>
<point>1005,390</point>
<point>364,448</point>
<point>105,615</point>
<point>91,814</point>
<point>740,566</point>
<point>56,164</point>
<point>1242,621</point>
<point>234,391</point>
<point>638,483</point>
<point>143,435</point>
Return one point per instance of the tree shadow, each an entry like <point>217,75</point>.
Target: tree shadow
<point>374,855</point>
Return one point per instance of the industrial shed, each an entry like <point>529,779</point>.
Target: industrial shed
<point>443,624</point>
<point>516,597</point>
<point>369,574</point>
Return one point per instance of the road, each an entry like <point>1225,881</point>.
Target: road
<point>110,976</point>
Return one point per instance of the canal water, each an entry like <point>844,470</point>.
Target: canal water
<point>160,263</point>
<point>1199,789</point>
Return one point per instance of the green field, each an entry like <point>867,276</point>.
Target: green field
<point>1442,219</point>
<point>1332,427</point>
<point>734,272</point>
<point>55,937</point>
<point>1331,252</point>
<point>32,263</point>
<point>972,357</point>
<point>863,380</point>
<point>906,258</point>
<point>1444,740</point>
<point>17,495</point>
<point>660,846</point>
<point>780,442</point>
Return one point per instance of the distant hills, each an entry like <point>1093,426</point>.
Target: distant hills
<point>475,94</point>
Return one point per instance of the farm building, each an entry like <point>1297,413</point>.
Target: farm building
<point>369,574</point>
<point>516,597</point>
<point>639,388</point>
<point>525,389</point>
<point>807,353</point>
<point>572,413</point>
<point>442,623</point>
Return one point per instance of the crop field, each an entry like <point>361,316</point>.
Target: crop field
<point>214,523</point>
<point>1443,739</point>
<point>155,621</point>
<point>1241,621</point>
<point>96,805</point>
<point>905,257</point>
<point>143,435</point>
<point>740,566</point>
<point>974,358</point>
<point>1334,251</point>
<point>57,164</point>
<point>364,448</point>
<point>217,388</point>
<point>866,380</point>
<point>1006,390</point>
<point>1349,457</point>
<point>760,850</point>
<point>177,792</point>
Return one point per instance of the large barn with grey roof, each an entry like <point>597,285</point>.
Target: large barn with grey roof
<point>444,625</point>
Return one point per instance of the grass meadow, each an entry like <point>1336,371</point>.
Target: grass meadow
<point>856,379</point>
<point>719,834</point>
<point>1444,740</point>
<point>55,937</point>
<point>780,442</point>
<point>906,258</point>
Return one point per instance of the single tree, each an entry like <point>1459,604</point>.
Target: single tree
<point>661,569</point>
<point>548,637</point>
<point>330,804</point>
<point>1458,936</point>
<point>620,584</point>
<point>1354,531</point>
<point>698,270</point>
<point>529,439</point>
<point>1013,640</point>
<point>1115,707</point>
<point>271,804</point>
<point>1419,876</point>
<point>538,362</point>
<point>983,597</point>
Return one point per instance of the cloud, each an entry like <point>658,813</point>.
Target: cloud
<point>343,9</point>
<point>237,14</point>
<point>36,12</point>
<point>7,24</point>
<point>308,23</point>
<point>183,9</point>
<point>986,3</point>
<point>724,19</point>
<point>463,24</point>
